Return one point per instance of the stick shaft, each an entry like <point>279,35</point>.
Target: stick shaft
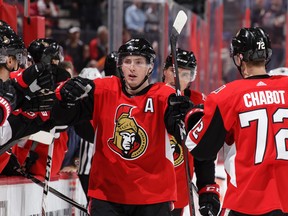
<point>53,191</point>
<point>47,177</point>
<point>173,42</point>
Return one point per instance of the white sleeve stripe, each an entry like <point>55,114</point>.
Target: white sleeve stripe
<point>190,144</point>
<point>5,133</point>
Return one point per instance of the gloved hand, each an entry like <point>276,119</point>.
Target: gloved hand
<point>39,102</point>
<point>177,108</point>
<point>36,77</point>
<point>59,74</point>
<point>30,160</point>
<point>209,202</point>
<point>8,100</point>
<point>74,89</point>
<point>193,116</point>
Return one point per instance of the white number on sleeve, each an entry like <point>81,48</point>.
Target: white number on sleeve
<point>198,129</point>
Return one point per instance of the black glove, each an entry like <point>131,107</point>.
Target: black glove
<point>8,100</point>
<point>39,102</point>
<point>46,79</point>
<point>177,108</point>
<point>36,77</point>
<point>209,202</point>
<point>51,76</point>
<point>30,160</point>
<point>59,74</point>
<point>74,89</point>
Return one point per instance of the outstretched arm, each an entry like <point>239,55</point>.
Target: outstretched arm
<point>75,101</point>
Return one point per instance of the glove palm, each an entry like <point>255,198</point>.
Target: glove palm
<point>74,89</point>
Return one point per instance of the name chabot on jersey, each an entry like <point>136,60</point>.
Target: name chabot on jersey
<point>264,97</point>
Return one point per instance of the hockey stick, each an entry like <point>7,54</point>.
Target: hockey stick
<point>53,191</point>
<point>41,136</point>
<point>178,25</point>
<point>47,175</point>
<point>7,146</point>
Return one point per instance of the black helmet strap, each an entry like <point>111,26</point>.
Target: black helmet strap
<point>238,66</point>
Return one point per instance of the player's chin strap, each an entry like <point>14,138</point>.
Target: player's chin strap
<point>238,66</point>
<point>239,69</point>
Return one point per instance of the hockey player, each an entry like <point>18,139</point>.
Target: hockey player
<point>12,55</point>
<point>14,88</point>
<point>132,170</point>
<point>33,155</point>
<point>205,172</point>
<point>253,114</point>
<point>11,48</point>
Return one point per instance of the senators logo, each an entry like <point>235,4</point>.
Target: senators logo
<point>177,152</point>
<point>130,140</point>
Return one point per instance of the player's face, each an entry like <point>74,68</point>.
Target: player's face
<point>128,140</point>
<point>134,69</point>
<point>11,65</point>
<point>184,77</point>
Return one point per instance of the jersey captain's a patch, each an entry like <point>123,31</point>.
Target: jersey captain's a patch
<point>130,140</point>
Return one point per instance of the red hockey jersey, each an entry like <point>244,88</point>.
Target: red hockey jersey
<point>39,168</point>
<point>60,147</point>
<point>133,162</point>
<point>254,112</point>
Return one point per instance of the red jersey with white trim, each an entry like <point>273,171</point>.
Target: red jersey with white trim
<point>182,188</point>
<point>254,112</point>
<point>133,161</point>
<point>60,143</point>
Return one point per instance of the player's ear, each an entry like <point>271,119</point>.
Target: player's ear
<point>150,68</point>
